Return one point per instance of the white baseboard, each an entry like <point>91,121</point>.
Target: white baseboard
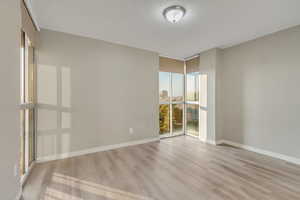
<point>261,151</point>
<point>211,142</point>
<point>206,140</point>
<point>23,180</point>
<point>94,150</point>
<point>19,194</point>
<point>220,142</point>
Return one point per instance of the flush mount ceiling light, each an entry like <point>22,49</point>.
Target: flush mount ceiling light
<point>174,13</point>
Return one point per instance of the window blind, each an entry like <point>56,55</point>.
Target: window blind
<point>171,65</point>
<point>192,65</point>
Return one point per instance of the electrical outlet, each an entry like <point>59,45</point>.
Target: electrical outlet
<point>131,131</point>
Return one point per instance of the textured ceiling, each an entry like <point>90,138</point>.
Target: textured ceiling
<point>139,23</point>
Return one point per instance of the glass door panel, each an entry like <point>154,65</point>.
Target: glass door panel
<point>22,144</point>
<point>164,87</point>
<point>192,87</point>
<point>164,119</point>
<point>177,87</point>
<point>177,121</point>
<point>192,119</point>
<point>31,136</point>
<point>27,138</point>
<point>192,104</point>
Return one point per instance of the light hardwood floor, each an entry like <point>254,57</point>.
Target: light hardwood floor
<point>180,168</point>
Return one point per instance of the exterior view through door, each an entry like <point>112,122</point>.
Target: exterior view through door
<point>182,98</point>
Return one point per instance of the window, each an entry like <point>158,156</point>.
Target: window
<point>192,119</point>
<point>171,96</point>
<point>192,104</point>
<point>183,98</point>
<point>164,118</point>
<point>177,121</point>
<point>27,110</point>
<point>196,105</point>
<point>164,86</point>
<point>177,87</point>
<point>192,89</point>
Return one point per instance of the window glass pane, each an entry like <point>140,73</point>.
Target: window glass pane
<point>164,86</point>
<point>177,87</point>
<point>192,87</point>
<point>31,137</point>
<point>192,119</point>
<point>22,146</point>
<point>177,115</point>
<point>28,73</point>
<point>164,119</point>
<point>27,70</point>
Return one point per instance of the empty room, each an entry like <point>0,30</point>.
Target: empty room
<point>150,100</point>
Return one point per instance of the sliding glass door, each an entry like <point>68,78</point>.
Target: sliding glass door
<point>171,97</point>
<point>183,98</point>
<point>196,105</point>
<point>27,107</point>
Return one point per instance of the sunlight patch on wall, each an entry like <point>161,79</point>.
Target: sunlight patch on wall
<point>47,145</point>
<point>65,143</point>
<point>47,120</point>
<point>65,120</point>
<point>47,84</point>
<point>66,87</point>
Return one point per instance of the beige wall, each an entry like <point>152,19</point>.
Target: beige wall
<point>260,93</point>
<point>10,21</point>
<point>91,92</point>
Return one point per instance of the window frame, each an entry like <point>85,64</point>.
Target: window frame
<point>27,109</point>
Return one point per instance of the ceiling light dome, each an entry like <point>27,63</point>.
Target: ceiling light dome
<point>174,13</point>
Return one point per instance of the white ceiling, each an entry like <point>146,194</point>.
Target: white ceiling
<point>139,23</point>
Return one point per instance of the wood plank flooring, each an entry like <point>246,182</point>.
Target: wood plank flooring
<point>180,168</point>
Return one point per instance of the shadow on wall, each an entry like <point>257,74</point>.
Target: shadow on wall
<point>54,116</point>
